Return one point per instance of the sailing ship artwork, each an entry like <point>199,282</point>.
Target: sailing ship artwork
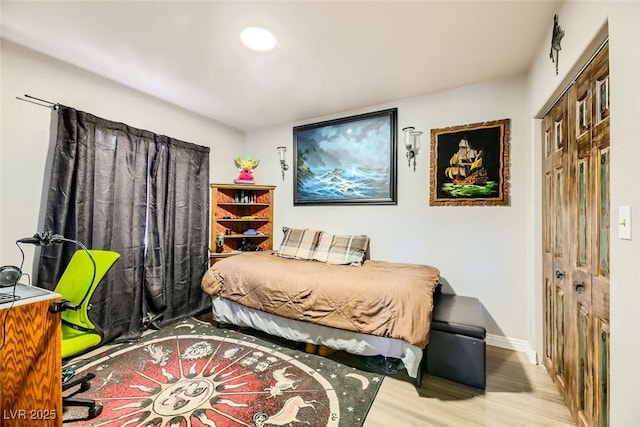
<point>469,164</point>
<point>465,166</point>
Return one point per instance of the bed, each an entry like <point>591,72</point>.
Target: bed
<point>367,308</point>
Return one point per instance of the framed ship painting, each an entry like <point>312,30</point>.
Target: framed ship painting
<point>351,160</point>
<point>470,165</point>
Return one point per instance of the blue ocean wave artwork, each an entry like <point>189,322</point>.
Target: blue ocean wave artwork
<point>346,161</point>
<point>345,183</point>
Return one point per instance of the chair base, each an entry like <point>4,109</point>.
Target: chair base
<point>93,408</point>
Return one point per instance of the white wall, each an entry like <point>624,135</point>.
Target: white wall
<point>583,22</point>
<point>479,250</point>
<point>585,30</point>
<point>26,135</point>
<point>624,54</point>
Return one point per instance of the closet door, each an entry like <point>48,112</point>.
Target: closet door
<point>576,244</point>
<point>555,243</point>
<point>600,235</point>
<point>589,256</point>
<point>581,196</point>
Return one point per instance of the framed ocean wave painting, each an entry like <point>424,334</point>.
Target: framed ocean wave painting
<point>351,160</point>
<point>470,165</point>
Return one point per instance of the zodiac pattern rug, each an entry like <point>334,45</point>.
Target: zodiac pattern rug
<point>193,374</point>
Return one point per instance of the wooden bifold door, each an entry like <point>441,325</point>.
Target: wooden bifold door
<point>576,166</point>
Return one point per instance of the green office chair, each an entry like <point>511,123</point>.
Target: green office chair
<point>79,335</point>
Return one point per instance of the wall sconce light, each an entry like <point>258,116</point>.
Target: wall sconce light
<point>283,163</point>
<point>412,144</point>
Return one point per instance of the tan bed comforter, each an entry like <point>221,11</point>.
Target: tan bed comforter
<point>380,298</point>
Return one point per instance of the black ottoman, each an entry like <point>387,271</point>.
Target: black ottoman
<point>457,348</point>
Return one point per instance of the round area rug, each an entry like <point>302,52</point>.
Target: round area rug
<point>197,375</point>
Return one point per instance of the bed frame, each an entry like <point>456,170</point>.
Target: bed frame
<point>226,311</point>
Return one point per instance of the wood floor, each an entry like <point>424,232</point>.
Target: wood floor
<point>518,394</point>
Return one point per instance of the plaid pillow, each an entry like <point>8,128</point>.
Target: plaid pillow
<point>341,249</point>
<point>297,243</point>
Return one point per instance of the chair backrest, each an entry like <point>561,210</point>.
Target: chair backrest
<point>76,286</point>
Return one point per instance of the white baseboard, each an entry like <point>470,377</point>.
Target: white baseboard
<point>513,344</point>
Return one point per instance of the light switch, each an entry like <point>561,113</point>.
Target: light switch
<point>624,222</point>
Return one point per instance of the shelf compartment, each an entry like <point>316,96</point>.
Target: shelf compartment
<point>243,219</point>
<point>246,236</point>
<point>244,204</point>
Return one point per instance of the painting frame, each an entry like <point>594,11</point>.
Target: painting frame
<point>470,164</point>
<point>346,161</point>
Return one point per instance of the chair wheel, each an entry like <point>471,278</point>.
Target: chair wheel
<point>84,387</point>
<point>94,411</point>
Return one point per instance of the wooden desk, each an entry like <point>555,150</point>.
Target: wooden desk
<point>30,360</point>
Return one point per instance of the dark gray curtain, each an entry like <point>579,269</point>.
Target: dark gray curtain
<point>105,181</point>
<point>178,225</point>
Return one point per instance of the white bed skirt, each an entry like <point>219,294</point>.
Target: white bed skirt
<point>227,311</point>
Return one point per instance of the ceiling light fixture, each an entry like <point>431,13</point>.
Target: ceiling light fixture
<point>257,38</point>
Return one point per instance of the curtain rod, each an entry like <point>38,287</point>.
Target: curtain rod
<point>47,104</point>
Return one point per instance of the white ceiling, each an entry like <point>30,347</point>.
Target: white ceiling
<point>331,56</point>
